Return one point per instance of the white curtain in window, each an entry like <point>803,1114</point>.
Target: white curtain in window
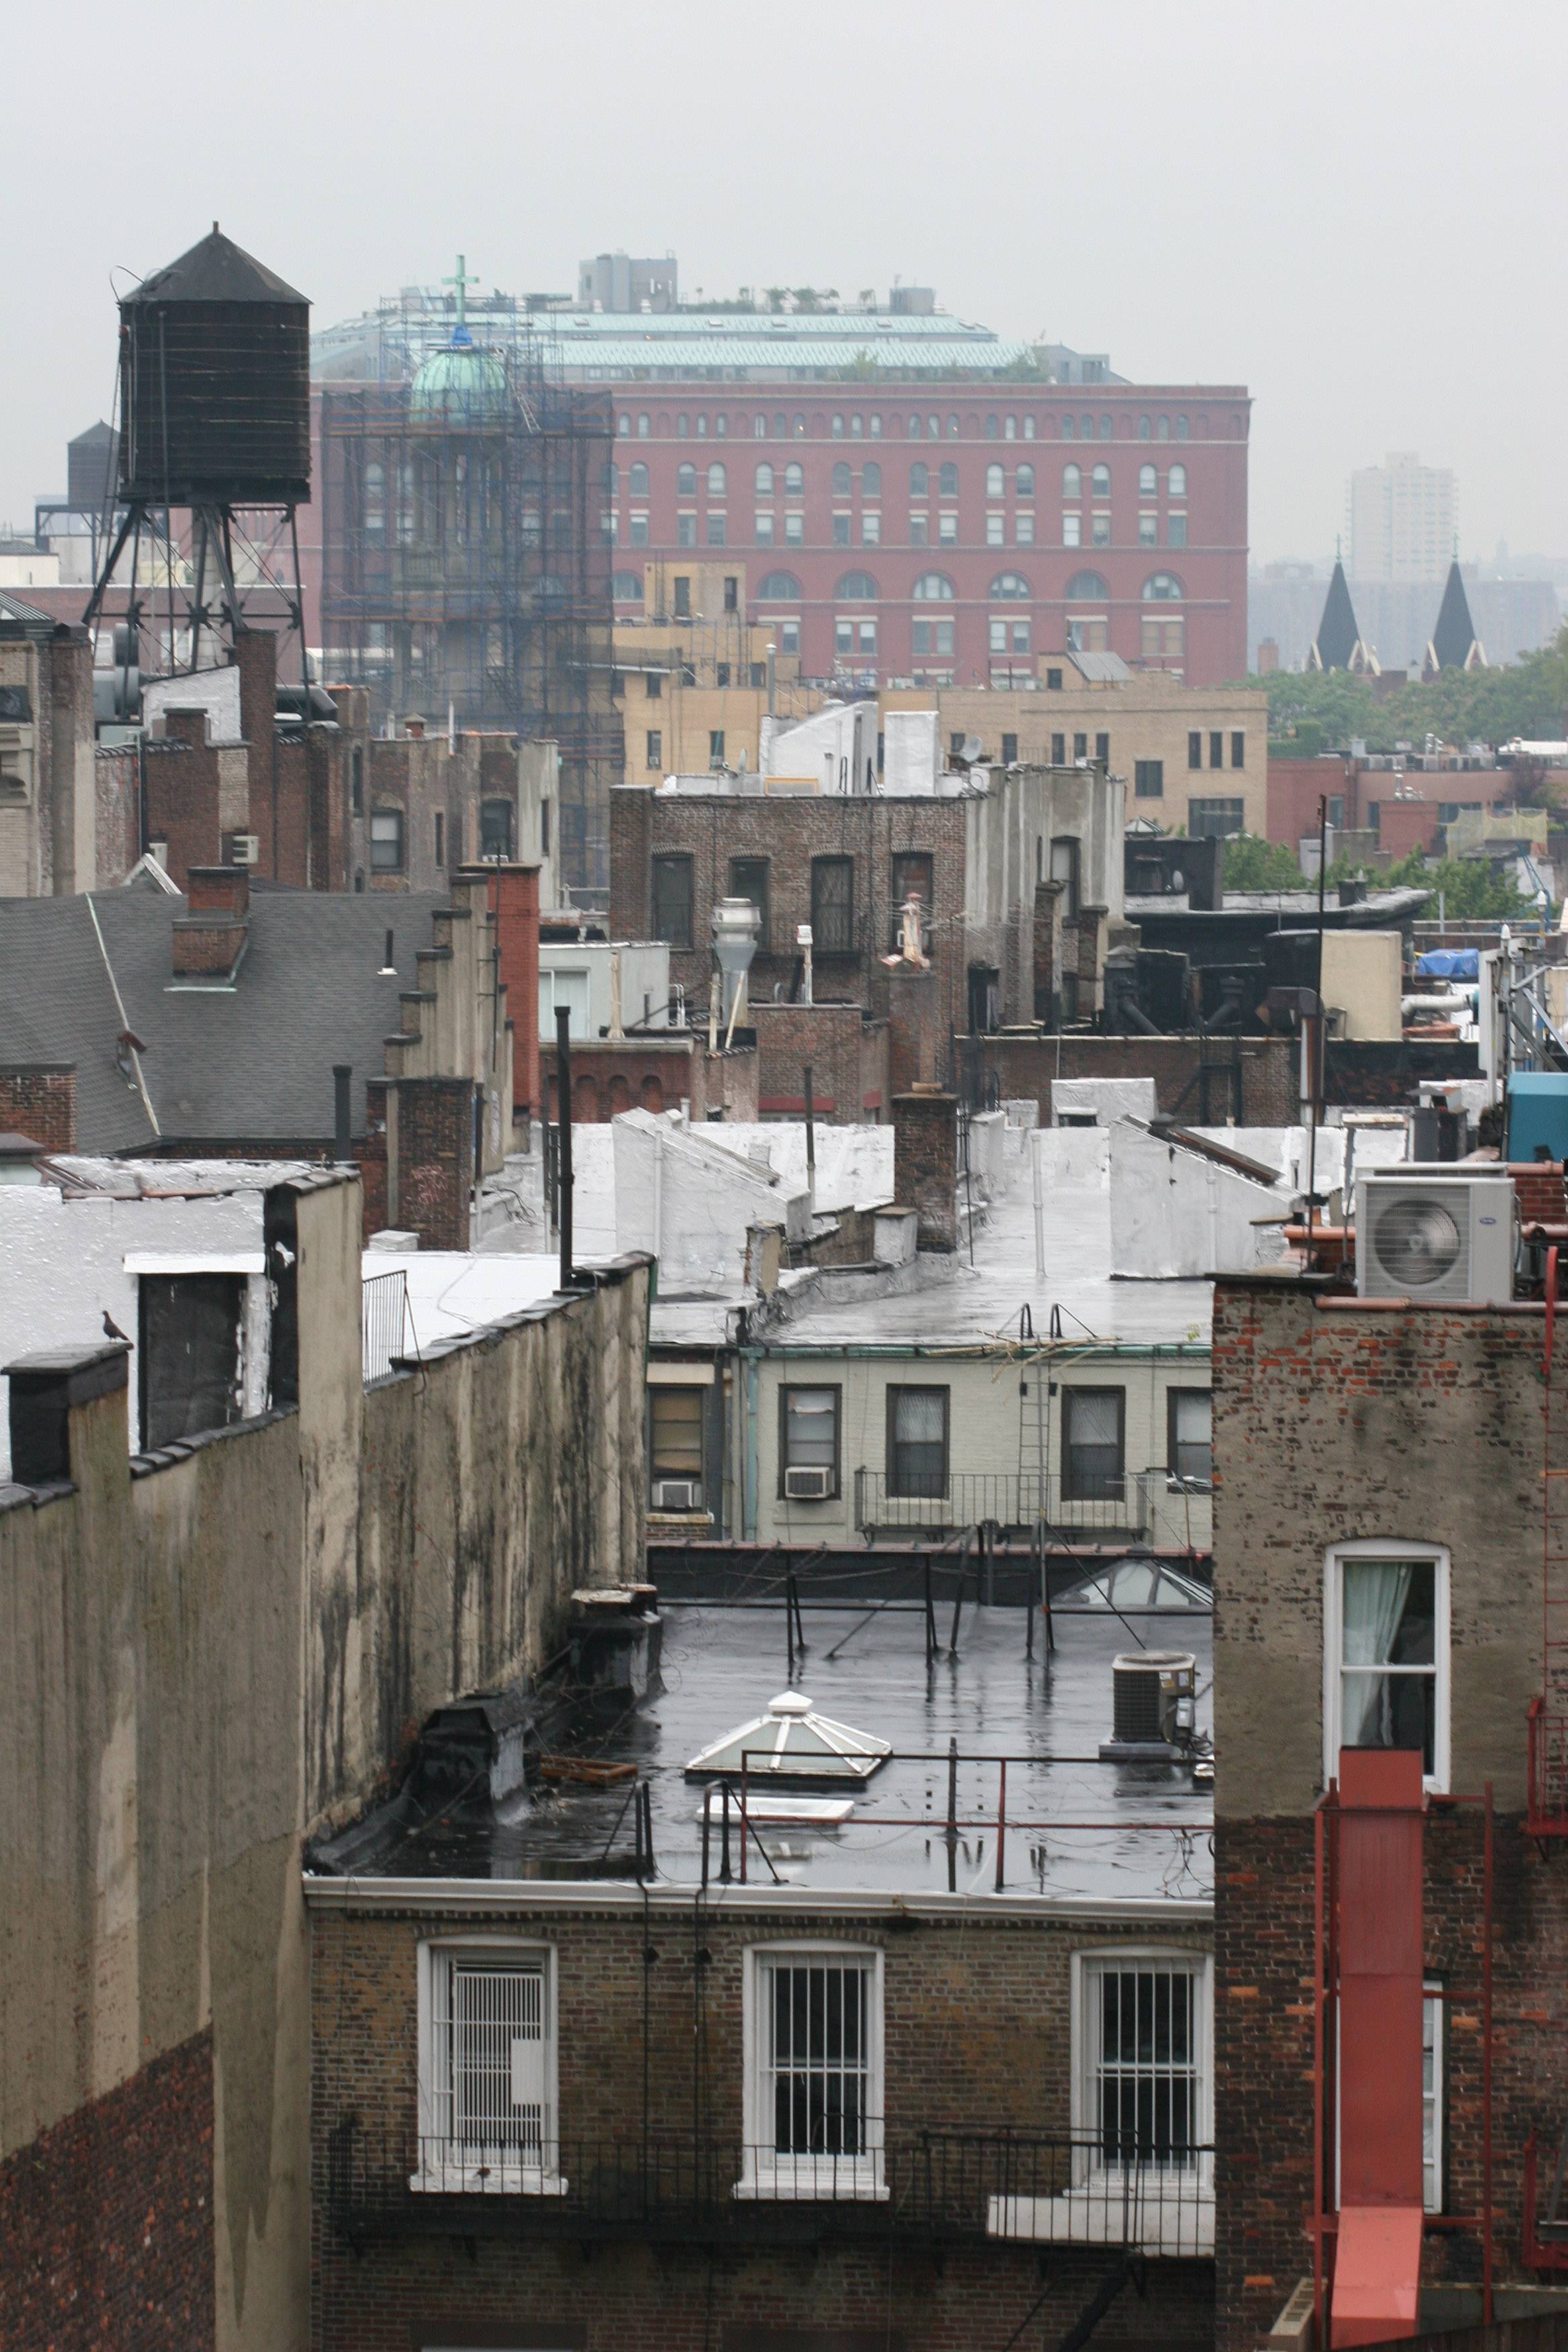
<point>1375,1591</point>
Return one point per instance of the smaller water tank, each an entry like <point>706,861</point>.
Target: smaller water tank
<point>1146,1686</point>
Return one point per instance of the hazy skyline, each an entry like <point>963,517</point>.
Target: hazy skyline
<point>1346,213</point>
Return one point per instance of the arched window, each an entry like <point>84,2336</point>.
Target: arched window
<point>856,427</point>
<point>1011,585</point>
<point>759,428</point>
<point>1145,428</point>
<point>948,480</point>
<point>721,427</point>
<point>779,588</point>
<point>933,588</point>
<point>919,480</point>
<point>1028,428</point>
<point>683,426</point>
<point>1086,429</point>
<point>715,480</point>
<point>781,428</point>
<point>856,588</point>
<point>1178,480</point>
<point>1105,428</point>
<point>1072,481</point>
<point>914,428</point>
<point>1162,430</point>
<point>1148,482</point>
<point>1100,482</point>
<point>612,478</point>
<point>995,482</point>
<point>798,428</point>
<point>1088,588</point>
<point>642,427</point>
<point>933,428</point>
<point>622,425</point>
<point>871,480</point>
<point>841,481</point>
<point>1163,588</point>
<point>765,481</point>
<point>639,481</point>
<point>375,498</point>
<point>992,428</point>
<point>1009,428</point>
<point>1181,428</point>
<point>952,428</point>
<point>1025,482</point>
<point>794,479</point>
<point>876,428</point>
<point>627,588</point>
<point>686,481</point>
<point>1069,428</point>
<point>839,428</point>
<point>703,429</point>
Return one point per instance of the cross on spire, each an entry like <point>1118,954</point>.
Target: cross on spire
<point>462,281</point>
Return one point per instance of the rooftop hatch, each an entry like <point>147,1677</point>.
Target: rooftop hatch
<point>792,1738</point>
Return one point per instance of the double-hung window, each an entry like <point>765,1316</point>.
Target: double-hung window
<point>917,1441</point>
<point>812,2094</point>
<point>487,2070</point>
<point>808,1444</point>
<point>1385,1681</point>
<point>1189,1449</point>
<point>670,893</point>
<point>832,905</point>
<point>1093,1444</point>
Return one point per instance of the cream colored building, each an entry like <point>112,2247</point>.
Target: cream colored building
<point>692,683</point>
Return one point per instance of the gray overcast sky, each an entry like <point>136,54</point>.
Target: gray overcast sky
<point>1349,208</point>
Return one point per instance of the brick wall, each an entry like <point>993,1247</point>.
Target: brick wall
<point>1418,1426</point>
<point>117,795</point>
<point>434,1159</point>
<point>925,1166</point>
<point>1024,1067</point>
<point>1375,1073</point>
<point>640,1073</point>
<point>847,1052</point>
<point>976,2037</point>
<point>38,1098</point>
<point>130,2261</point>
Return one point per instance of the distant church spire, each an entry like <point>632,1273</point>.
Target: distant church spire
<point>1454,643</point>
<point>1338,643</point>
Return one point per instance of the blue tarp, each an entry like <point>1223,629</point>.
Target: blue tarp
<point>1449,963</point>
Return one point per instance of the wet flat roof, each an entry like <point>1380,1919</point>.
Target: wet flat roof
<point>984,1301</point>
<point>1075,1830</point>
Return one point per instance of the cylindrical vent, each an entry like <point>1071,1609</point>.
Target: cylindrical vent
<point>1144,1685</point>
<point>215,383</point>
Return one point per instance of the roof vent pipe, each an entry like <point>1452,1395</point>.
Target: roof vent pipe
<point>735,927</point>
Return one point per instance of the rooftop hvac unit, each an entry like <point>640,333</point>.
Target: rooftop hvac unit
<point>677,1494</point>
<point>1435,1237</point>
<point>1154,1696</point>
<point>807,1486</point>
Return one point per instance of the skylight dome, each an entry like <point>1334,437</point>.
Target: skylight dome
<point>792,1740</point>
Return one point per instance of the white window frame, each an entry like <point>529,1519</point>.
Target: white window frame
<point>1385,1548</point>
<point>1099,1959</point>
<point>1433,2135</point>
<point>465,2170</point>
<point>763,2173</point>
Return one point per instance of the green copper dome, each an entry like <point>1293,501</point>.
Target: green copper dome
<point>460,385</point>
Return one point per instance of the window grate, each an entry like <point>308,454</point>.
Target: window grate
<point>490,2041</point>
<point>818,2067</point>
<point>1145,2085</point>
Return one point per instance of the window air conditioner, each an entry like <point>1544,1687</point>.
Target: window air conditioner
<point>677,1494</point>
<point>1435,1236</point>
<point>245,849</point>
<point>807,1486</point>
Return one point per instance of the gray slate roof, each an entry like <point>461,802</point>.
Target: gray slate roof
<point>251,1065</point>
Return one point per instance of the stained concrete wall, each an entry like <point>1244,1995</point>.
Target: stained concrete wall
<point>203,1663</point>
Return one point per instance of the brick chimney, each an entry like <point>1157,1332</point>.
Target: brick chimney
<point>515,903</point>
<point>210,939</point>
<point>925,1166</point>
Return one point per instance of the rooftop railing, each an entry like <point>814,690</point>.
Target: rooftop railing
<point>1154,1505</point>
<point>928,2187</point>
<point>384,1307</point>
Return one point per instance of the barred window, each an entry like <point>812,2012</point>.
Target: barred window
<point>1144,2045</point>
<point>487,2072</point>
<point>814,2092</point>
<point>833,906</point>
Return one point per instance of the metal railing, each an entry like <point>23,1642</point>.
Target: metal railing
<point>384,1314</point>
<point>928,2187</point>
<point>1152,1504</point>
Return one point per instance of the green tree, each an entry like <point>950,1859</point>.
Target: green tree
<point>1473,888</point>
<point>1252,864</point>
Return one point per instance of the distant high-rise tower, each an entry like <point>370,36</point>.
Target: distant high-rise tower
<point>1401,518</point>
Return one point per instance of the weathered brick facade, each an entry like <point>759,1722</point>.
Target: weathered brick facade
<point>655,1072</point>
<point>1024,1068</point>
<point>925,1166</point>
<point>847,1052</point>
<point>976,2038</point>
<point>1335,1423</point>
<point>38,1098</point>
<point>137,2252</point>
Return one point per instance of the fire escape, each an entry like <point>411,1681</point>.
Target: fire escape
<point>1545,2246</point>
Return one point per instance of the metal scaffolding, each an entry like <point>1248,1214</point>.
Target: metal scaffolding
<point>465,565</point>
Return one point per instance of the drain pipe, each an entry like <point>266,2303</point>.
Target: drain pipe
<point>564,1136</point>
<point>810,1143</point>
<point>343,1115</point>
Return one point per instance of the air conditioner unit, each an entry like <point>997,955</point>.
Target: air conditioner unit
<point>245,848</point>
<point>1435,1236</point>
<point>677,1494</point>
<point>807,1486</point>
